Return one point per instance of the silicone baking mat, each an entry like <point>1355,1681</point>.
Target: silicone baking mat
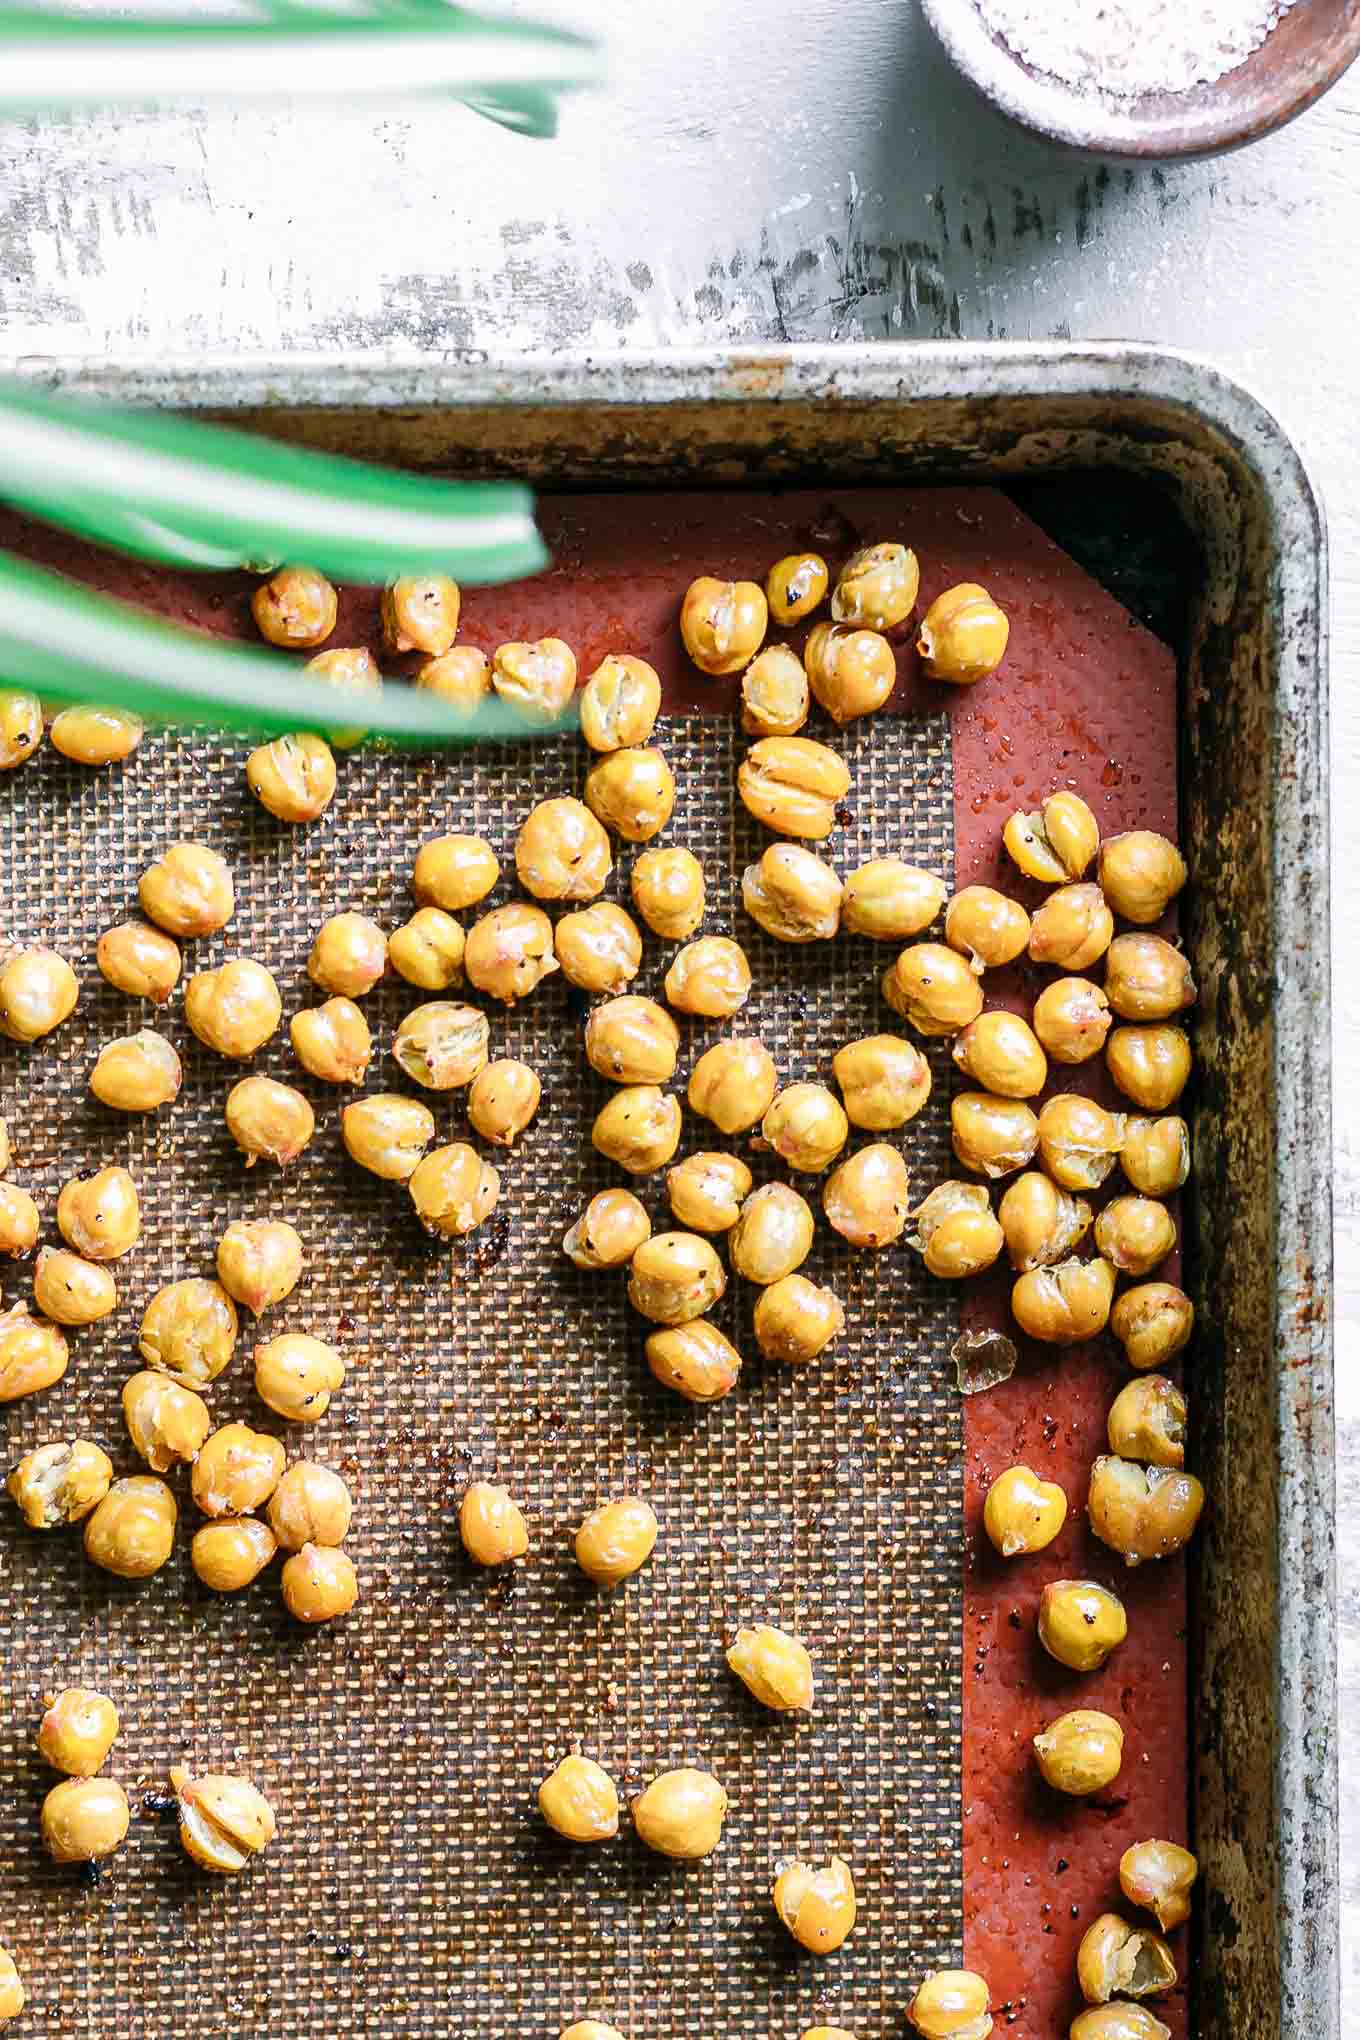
<point>412,1887</point>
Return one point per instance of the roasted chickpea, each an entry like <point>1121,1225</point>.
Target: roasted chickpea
<point>933,988</point>
<point>1042,1223</point>
<point>674,1277</point>
<point>137,1074</point>
<point>259,1262</point>
<point>1142,1512</point>
<point>237,1469</point>
<point>1079,1141</point>
<point>349,669</point>
<point>1147,1422</point>
<point>20,1220</point>
<point>454,872</point>
<point>773,1234</point>
<point>318,1584</point>
<point>562,852</point>
<point>33,1354</point>
<point>806,1126</point>
<point>733,1084</point>
<point>681,1814</point>
<point>1057,843</point>
<point>1117,1958</point>
<point>877,586</point>
<point>774,1667</point>
<point>1023,1513</point>
<point>538,680</point>
<point>722,623</point>
<point>269,1120</point>
<point>349,955</point>
<point>994,1136</point>
<point>296,607</point>
<point>166,1422</point>
<point>710,977</point>
<point>851,671</point>
<point>952,2004</point>
<point>502,1099</point>
<point>706,1190</point>
<point>131,1532</point>
<point>420,613</point>
<point>223,1821</point>
<point>99,1216</point>
<point>293,777</point>
<point>1080,1752</point>
<point>1147,978</point>
<point>1153,1323</point>
<point>454,1190</point>
<point>21,728</point>
<point>77,1731</point>
<point>442,1045</point>
<point>60,1484</point>
<point>816,1905</point>
<point>1117,2021</point>
<point>865,1199</point>
<point>139,960</point>
<point>632,792</point>
<point>95,736</point>
<point>774,693</point>
<point>461,676</point>
<point>795,1320</point>
<point>427,950</point>
<point>580,1801</point>
<point>296,1375</point>
<point>71,1291</point>
<point>884,1081</point>
<point>230,1554</point>
<point>668,891</point>
<point>85,1819</point>
<point>793,785</point>
<point>1150,1065</point>
<point>1140,874</point>
<point>1072,1018</point>
<point>890,900</point>
<point>986,927</point>
<point>590,2029</point>
<point>310,1505</point>
<point>795,585</point>
<point>491,1525</point>
<point>189,892</point>
<point>1080,1623</point>
<point>332,1041</point>
<point>639,1128</point>
<point>1156,1155</point>
<point>38,990</point>
<point>954,1231</point>
<point>188,1331</point>
<point>510,951</point>
<point>234,1009</point>
<point>609,1231</point>
<point>999,1052</point>
<point>599,948</point>
<point>632,1041</point>
<point>1136,1233</point>
<point>1072,928</point>
<point>963,635</point>
<point>1159,1876</point>
<point>792,895</point>
<point>1065,1304</point>
<point>387,1134</point>
<point>616,1540</point>
<point>620,703</point>
<point>695,1360</point>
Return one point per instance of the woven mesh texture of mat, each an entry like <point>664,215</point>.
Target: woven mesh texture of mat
<point>412,1888</point>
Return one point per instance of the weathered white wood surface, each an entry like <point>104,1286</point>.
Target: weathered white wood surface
<point>754,170</point>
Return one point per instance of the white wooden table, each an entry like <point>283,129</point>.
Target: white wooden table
<point>755,170</point>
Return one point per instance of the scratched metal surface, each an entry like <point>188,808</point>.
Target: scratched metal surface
<point>751,178</point>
